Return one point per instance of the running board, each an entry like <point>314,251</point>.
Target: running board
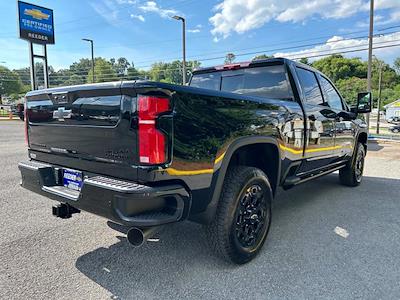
<point>296,180</point>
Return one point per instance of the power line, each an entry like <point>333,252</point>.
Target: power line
<point>198,58</point>
<point>306,56</point>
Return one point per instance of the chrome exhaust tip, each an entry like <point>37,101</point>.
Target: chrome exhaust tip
<point>138,236</point>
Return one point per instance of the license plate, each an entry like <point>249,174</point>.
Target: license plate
<point>72,179</point>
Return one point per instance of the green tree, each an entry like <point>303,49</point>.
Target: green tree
<point>389,76</point>
<point>262,56</point>
<point>170,72</point>
<point>229,58</point>
<point>24,75</point>
<point>120,66</point>
<point>10,83</point>
<point>350,87</point>
<point>304,60</point>
<point>82,67</point>
<point>61,77</point>
<point>397,65</point>
<point>338,67</point>
<point>134,74</point>
<point>103,71</point>
<point>75,80</point>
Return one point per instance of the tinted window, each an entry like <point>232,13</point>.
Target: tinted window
<point>206,81</point>
<point>310,86</point>
<point>332,97</point>
<point>101,111</point>
<point>269,81</point>
<point>232,83</point>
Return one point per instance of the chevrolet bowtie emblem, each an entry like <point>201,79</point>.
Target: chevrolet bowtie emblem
<point>61,114</point>
<point>36,14</point>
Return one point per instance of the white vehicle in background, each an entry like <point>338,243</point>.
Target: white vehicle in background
<point>394,120</point>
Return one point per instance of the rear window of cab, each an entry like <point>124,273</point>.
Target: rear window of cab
<point>268,81</point>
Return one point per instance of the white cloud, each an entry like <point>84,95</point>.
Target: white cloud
<point>126,1</point>
<point>106,9</point>
<point>151,6</point>
<point>197,29</point>
<point>337,44</point>
<point>138,17</point>
<point>243,15</point>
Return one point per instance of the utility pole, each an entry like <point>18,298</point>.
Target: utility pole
<point>183,46</point>
<point>370,45</point>
<point>378,119</point>
<point>92,50</point>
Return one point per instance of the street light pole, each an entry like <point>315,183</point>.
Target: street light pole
<point>92,50</point>
<point>183,46</point>
<point>370,45</point>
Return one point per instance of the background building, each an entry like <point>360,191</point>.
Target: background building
<point>393,109</point>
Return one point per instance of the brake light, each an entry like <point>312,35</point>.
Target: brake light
<point>232,66</point>
<point>152,142</point>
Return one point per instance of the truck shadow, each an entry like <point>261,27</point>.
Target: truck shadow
<point>181,262</point>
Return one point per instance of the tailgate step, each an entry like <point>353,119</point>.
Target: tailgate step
<point>62,191</point>
<point>115,185</point>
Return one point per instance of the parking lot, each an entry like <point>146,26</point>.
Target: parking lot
<point>42,257</point>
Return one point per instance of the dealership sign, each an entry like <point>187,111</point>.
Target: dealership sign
<point>36,23</point>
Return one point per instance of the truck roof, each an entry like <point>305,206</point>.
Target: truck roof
<point>253,63</point>
<point>240,65</point>
<point>81,87</point>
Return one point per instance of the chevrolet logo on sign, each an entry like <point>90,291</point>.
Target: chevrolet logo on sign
<point>36,14</point>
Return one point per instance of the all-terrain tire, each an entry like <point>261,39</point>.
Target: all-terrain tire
<point>243,218</point>
<point>351,175</point>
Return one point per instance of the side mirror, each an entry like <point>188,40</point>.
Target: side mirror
<point>364,103</point>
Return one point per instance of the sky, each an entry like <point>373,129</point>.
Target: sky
<point>144,32</point>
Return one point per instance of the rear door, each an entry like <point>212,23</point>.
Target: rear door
<point>320,123</point>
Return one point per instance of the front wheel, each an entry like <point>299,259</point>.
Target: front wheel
<point>243,217</point>
<point>351,175</point>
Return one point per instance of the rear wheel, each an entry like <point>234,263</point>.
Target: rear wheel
<point>351,175</point>
<point>243,217</point>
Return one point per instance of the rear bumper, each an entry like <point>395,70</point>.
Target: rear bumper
<point>123,202</point>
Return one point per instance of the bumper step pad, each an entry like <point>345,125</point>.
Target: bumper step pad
<point>123,202</point>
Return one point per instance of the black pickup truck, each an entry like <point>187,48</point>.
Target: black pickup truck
<point>144,154</point>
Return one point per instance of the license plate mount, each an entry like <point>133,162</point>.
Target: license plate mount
<point>72,179</point>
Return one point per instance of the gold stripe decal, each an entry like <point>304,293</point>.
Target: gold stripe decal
<point>295,151</point>
<point>172,171</point>
<point>219,158</point>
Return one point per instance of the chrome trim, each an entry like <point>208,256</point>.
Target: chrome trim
<point>33,165</point>
<point>114,185</point>
<point>62,192</point>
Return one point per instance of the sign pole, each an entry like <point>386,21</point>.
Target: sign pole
<point>32,68</point>
<point>45,67</point>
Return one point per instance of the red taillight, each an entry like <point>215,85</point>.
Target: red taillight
<point>152,142</point>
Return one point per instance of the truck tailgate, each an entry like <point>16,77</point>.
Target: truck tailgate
<point>83,124</point>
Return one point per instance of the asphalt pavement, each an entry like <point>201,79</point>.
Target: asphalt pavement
<point>326,241</point>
